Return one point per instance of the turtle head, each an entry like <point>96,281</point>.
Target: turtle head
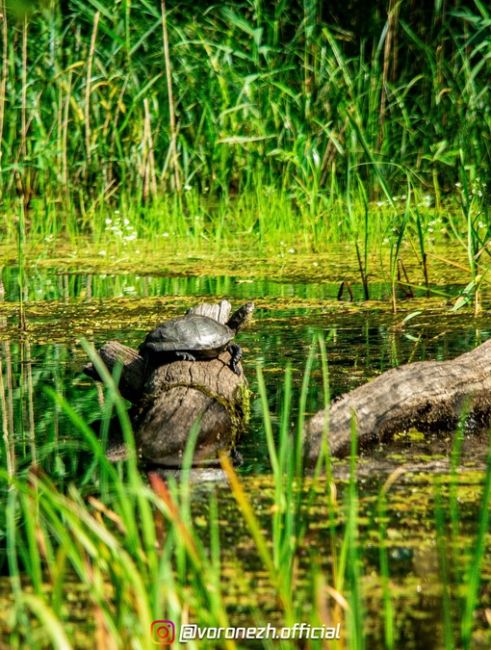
<point>240,317</point>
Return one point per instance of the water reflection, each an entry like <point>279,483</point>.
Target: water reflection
<point>45,284</point>
<point>360,345</point>
<point>41,350</point>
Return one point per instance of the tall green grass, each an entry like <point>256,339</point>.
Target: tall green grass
<point>124,103</point>
<point>249,127</point>
<point>136,550</point>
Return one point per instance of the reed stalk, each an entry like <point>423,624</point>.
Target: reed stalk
<point>88,90</point>
<point>170,98</point>
<point>4,74</point>
<point>7,435</point>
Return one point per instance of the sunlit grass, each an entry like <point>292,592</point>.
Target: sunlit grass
<point>254,128</point>
<point>253,111</point>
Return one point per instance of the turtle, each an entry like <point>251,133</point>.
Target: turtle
<point>195,336</point>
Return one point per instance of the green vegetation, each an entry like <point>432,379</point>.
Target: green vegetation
<point>246,117</point>
<point>131,552</point>
<point>250,125</point>
<point>233,144</point>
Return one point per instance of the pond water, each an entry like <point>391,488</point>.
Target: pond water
<point>363,339</point>
<point>39,348</point>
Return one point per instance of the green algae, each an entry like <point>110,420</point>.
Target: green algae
<point>416,581</point>
<point>447,264</point>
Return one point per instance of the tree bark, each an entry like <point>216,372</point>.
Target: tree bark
<point>172,398</point>
<point>426,395</point>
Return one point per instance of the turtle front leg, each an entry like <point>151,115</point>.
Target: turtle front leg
<point>235,356</point>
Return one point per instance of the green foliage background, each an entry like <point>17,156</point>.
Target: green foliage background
<point>292,95</point>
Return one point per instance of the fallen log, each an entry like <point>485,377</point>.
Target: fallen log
<point>131,383</point>
<point>426,395</point>
<point>171,398</point>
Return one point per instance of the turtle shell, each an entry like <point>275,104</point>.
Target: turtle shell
<point>199,335</point>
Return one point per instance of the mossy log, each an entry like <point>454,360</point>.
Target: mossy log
<point>172,398</point>
<point>426,395</point>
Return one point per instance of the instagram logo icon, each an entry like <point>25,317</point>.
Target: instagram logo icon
<point>163,632</point>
